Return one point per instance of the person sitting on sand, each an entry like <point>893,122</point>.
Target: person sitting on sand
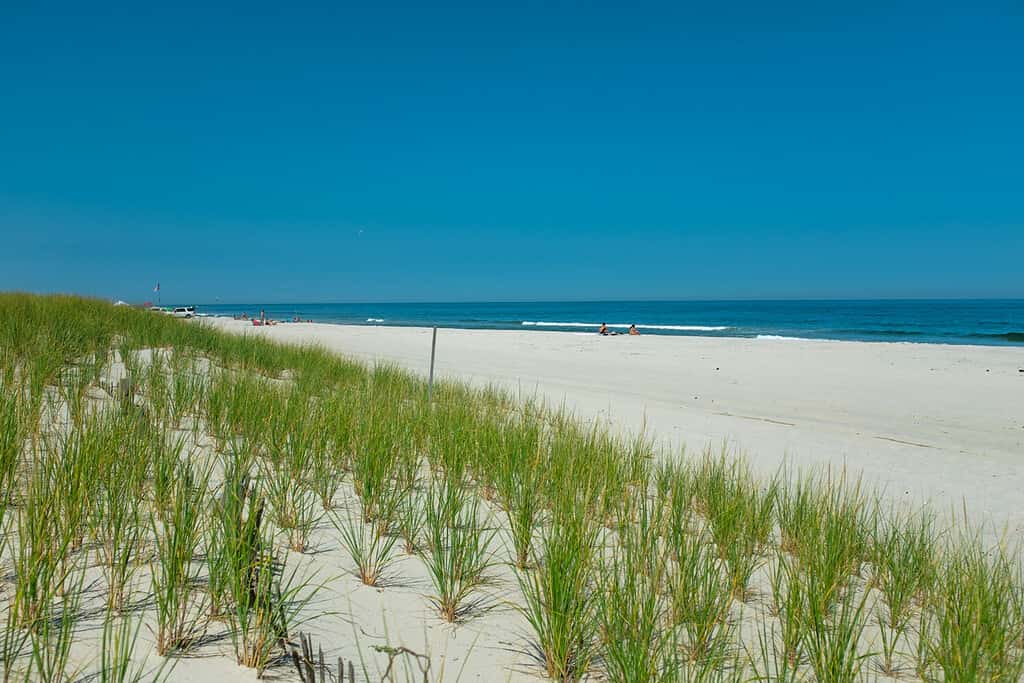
<point>633,332</point>
<point>603,329</point>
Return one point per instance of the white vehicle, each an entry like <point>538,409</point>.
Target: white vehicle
<point>184,312</point>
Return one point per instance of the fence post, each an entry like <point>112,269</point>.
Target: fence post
<point>430,377</point>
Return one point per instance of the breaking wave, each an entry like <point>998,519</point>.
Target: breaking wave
<point>625,326</point>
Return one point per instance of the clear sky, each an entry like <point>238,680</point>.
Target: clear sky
<point>330,152</point>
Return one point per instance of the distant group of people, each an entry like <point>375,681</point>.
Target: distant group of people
<point>603,330</point>
<point>264,320</point>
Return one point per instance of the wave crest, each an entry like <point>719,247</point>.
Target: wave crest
<point>624,326</point>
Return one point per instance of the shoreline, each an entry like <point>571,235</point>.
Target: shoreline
<point>921,422</point>
<point>534,327</point>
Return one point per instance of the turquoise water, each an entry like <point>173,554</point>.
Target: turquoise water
<point>989,322</point>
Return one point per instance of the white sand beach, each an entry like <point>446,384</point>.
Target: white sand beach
<point>921,422</point>
<point>924,424</point>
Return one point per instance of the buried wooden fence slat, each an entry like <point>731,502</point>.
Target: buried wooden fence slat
<point>307,664</point>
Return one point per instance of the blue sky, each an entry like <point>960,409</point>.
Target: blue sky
<point>326,152</point>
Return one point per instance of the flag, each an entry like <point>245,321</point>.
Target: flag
<point>157,288</point>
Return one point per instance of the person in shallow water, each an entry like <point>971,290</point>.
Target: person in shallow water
<point>603,329</point>
<point>633,332</point>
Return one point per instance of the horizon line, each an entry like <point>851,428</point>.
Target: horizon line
<point>599,301</point>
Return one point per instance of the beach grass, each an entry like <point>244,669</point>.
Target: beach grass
<point>458,542</point>
<point>196,496</point>
<point>561,605</point>
<point>371,552</point>
<point>180,606</point>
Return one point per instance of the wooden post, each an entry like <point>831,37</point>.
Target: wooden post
<point>126,389</point>
<point>430,377</point>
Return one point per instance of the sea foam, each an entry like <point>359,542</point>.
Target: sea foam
<point>779,337</point>
<point>678,328</point>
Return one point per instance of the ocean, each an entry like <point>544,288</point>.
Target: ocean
<point>988,322</point>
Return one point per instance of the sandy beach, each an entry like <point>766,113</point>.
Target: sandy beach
<point>924,425</point>
<point>941,424</point>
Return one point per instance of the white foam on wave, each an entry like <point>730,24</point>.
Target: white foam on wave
<point>685,328</point>
<point>778,337</point>
<point>625,326</point>
<point>375,320</point>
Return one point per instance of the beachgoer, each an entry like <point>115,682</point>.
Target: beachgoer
<point>633,331</point>
<point>263,316</point>
<point>603,329</point>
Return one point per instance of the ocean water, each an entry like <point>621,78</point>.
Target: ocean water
<point>988,322</point>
